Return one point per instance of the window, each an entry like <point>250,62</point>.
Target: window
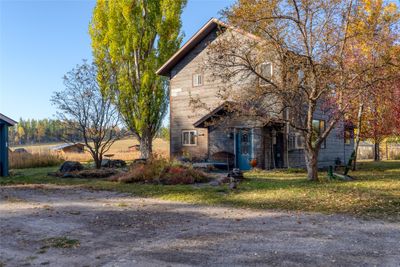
<point>348,135</point>
<point>295,141</point>
<point>189,138</point>
<point>318,128</point>
<point>292,141</point>
<point>245,143</point>
<point>266,72</point>
<point>299,141</point>
<point>197,80</point>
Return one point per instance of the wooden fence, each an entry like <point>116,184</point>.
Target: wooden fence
<point>388,151</point>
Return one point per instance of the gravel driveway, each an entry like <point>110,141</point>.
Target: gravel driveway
<point>116,229</point>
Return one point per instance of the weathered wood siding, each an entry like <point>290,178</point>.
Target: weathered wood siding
<point>335,147</point>
<point>216,139</point>
<point>182,115</point>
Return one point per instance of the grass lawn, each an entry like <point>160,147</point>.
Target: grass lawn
<point>375,193</point>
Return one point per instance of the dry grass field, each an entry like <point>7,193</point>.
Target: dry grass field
<point>120,150</point>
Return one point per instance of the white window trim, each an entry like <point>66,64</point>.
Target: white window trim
<point>195,137</point>
<point>193,79</point>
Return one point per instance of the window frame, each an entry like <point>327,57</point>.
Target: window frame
<point>320,130</point>
<point>197,75</point>
<point>348,136</point>
<point>189,131</point>
<point>297,138</point>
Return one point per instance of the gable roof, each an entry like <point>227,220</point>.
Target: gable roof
<point>188,46</point>
<point>211,25</point>
<point>221,110</point>
<point>7,120</point>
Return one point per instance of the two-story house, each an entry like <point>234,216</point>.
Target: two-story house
<point>272,145</point>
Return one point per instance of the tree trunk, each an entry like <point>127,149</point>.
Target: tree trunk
<point>376,151</point>
<point>312,165</point>
<point>146,146</point>
<point>387,152</point>
<point>97,161</point>
<point>357,141</point>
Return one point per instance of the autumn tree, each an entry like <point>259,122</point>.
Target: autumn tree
<point>308,43</point>
<point>130,41</point>
<point>83,108</point>
<point>380,117</point>
<point>373,25</point>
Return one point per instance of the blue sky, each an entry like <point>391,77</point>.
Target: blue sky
<point>41,40</point>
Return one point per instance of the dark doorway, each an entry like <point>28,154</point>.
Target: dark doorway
<point>278,150</point>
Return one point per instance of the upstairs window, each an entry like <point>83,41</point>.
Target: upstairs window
<point>189,138</point>
<point>197,80</point>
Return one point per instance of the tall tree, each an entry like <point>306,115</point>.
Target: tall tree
<point>84,109</point>
<point>307,42</point>
<point>372,25</point>
<point>130,40</point>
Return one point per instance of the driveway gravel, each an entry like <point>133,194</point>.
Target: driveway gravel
<point>115,229</point>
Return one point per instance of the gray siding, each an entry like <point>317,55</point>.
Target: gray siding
<point>215,139</point>
<point>182,115</point>
<point>335,148</point>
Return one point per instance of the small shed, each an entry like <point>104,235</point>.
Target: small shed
<point>5,122</point>
<point>70,148</point>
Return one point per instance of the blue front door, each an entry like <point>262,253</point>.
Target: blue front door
<point>243,149</point>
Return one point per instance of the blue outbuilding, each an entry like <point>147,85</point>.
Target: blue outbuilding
<point>5,122</point>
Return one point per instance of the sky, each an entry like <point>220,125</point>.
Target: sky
<point>40,41</point>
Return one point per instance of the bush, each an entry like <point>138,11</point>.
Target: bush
<point>161,171</point>
<point>26,160</point>
<point>183,175</point>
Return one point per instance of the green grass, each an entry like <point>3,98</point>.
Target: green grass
<point>375,193</point>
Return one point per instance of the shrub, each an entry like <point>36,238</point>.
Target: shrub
<point>26,160</point>
<point>183,175</point>
<point>161,171</point>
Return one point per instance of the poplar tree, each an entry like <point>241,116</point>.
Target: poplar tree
<point>131,39</point>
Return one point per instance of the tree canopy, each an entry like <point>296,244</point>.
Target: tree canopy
<point>130,41</point>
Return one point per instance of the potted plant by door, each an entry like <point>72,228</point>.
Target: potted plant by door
<point>253,163</point>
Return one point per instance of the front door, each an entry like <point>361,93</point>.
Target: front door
<point>243,149</point>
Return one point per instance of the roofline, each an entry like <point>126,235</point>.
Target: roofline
<point>7,119</point>
<point>199,35</point>
<point>200,122</point>
<point>194,40</point>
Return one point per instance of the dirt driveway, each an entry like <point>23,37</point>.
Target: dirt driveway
<point>112,229</point>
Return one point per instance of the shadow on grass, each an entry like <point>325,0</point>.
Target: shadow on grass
<point>375,192</point>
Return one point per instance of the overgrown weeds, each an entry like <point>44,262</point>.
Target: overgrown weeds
<point>27,160</point>
<point>159,170</point>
